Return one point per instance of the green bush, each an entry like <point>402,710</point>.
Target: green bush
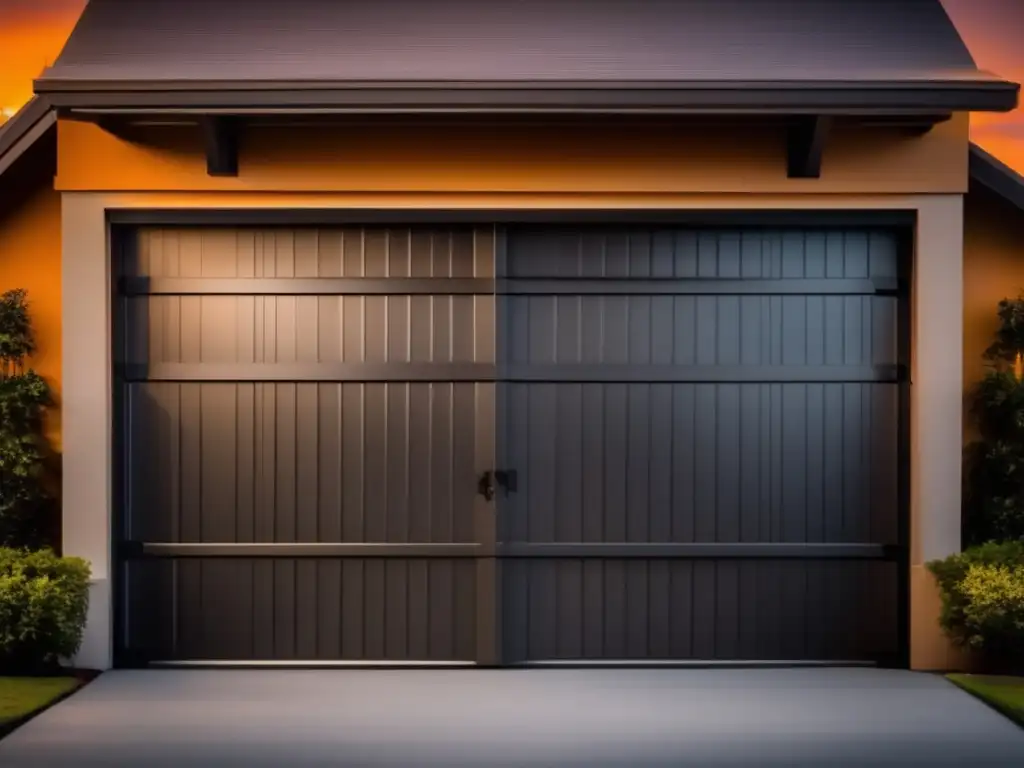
<point>43,604</point>
<point>982,592</point>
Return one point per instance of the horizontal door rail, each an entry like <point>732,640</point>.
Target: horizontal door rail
<point>305,286</point>
<point>701,374</point>
<point>481,286</point>
<point>695,286</point>
<point>296,372</point>
<point>486,372</point>
<point>701,550</point>
<point>134,549</point>
<point>704,550</point>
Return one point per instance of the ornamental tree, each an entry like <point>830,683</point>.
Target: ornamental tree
<point>26,503</point>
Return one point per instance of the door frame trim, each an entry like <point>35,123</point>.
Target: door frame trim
<point>93,223</point>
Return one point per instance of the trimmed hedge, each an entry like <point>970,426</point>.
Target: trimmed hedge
<point>43,603</point>
<point>982,592</point>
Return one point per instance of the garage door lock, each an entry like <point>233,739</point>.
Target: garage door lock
<point>506,479</point>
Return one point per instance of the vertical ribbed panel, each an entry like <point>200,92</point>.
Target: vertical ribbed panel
<point>729,462</point>
<point>396,461</point>
<point>287,609</point>
<point>262,461</point>
<point>768,610</point>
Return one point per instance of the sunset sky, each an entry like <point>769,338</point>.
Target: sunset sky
<point>33,31</point>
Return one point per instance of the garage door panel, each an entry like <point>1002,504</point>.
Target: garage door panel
<point>749,406</point>
<point>748,253</point>
<point>312,252</point>
<point>727,331</point>
<point>310,462</point>
<point>309,329</point>
<point>302,609</point>
<point>703,462</point>
<point>681,609</point>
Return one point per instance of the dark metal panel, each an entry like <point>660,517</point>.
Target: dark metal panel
<point>307,578</point>
<point>375,603</point>
<point>297,497</point>
<point>353,427</point>
<point>739,610</point>
<point>463,461</point>
<point>287,217</point>
<point>227,613</point>
<point>636,613</point>
<point>638,463</point>
<point>705,463</point>
<point>743,438</point>
<point>285,464</point>
<point>727,610</point>
<point>706,550</point>
<point>398,490</point>
<point>217,452</point>
<point>660,467</point>
<point>542,462</point>
<point>569,476</point>
<point>442,490</point>
<point>615,606</point>
<point>625,373</point>
<point>308,549</point>
<point>326,420</point>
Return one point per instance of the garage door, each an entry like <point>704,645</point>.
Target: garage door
<point>356,444</point>
<point>306,416</point>
<point>705,428</point>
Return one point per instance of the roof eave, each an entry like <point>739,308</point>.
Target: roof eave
<point>996,176</point>
<point>879,97</point>
<point>22,131</point>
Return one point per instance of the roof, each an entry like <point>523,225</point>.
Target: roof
<point>23,130</point>
<point>520,55</point>
<point>37,119</point>
<point>997,176</point>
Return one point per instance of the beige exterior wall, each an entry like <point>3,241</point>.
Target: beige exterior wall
<point>637,167</point>
<point>993,270</point>
<point>591,157</point>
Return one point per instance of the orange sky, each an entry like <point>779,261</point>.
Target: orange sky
<point>32,32</point>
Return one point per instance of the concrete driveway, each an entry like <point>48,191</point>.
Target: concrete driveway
<point>633,718</point>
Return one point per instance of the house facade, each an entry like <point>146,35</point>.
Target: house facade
<point>532,333</point>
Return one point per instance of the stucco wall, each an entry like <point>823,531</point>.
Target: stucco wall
<point>30,258</point>
<point>993,270</point>
<point>585,157</point>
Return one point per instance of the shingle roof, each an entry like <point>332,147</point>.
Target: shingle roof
<point>527,40</point>
<point>182,45</point>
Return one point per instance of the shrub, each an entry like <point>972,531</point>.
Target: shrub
<point>993,499</point>
<point>982,592</point>
<point>43,604</point>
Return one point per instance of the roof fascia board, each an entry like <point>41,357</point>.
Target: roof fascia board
<point>23,130</point>
<point>25,142</point>
<point>781,97</point>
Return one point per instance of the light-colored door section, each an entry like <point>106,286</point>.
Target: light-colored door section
<point>704,428</point>
<point>304,417</point>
